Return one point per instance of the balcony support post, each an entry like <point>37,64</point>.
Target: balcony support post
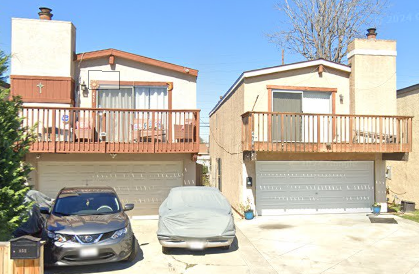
<point>409,132</point>
<point>196,123</point>
<point>381,134</point>
<point>153,138</point>
<point>53,129</point>
<point>318,133</point>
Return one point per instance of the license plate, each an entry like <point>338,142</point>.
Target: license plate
<point>89,252</point>
<point>196,245</point>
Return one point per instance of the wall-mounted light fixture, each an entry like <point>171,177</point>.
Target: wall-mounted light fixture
<point>38,156</point>
<point>84,89</point>
<point>341,98</point>
<point>113,155</point>
<point>249,182</point>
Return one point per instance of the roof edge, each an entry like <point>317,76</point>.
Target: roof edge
<point>305,64</point>
<point>281,68</point>
<point>136,58</point>
<point>408,89</point>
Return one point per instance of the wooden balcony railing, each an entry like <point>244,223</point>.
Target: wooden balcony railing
<point>98,130</point>
<point>301,132</point>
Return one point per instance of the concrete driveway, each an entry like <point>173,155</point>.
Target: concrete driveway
<point>345,243</point>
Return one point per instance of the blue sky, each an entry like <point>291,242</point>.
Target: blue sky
<point>219,38</point>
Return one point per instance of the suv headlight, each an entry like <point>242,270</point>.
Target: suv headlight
<point>119,233</point>
<point>56,236</point>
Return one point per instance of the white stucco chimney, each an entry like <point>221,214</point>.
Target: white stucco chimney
<point>45,13</point>
<point>43,47</point>
<point>373,75</point>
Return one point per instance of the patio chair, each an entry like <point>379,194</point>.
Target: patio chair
<point>84,129</point>
<point>185,132</point>
<point>142,130</point>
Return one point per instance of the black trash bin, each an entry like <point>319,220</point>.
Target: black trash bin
<point>408,206</point>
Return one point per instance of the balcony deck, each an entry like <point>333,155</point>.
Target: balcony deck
<point>301,132</point>
<point>89,130</point>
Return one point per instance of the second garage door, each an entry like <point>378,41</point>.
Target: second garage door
<point>145,184</point>
<point>314,186</point>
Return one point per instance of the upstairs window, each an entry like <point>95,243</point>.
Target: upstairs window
<point>134,97</point>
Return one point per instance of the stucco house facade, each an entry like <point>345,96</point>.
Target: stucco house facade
<point>105,117</point>
<point>404,176</point>
<point>311,137</point>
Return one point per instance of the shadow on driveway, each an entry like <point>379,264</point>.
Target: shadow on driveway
<point>97,268</point>
<point>275,226</point>
<point>215,250</point>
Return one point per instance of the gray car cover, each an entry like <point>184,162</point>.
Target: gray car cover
<point>195,212</point>
<point>35,222</point>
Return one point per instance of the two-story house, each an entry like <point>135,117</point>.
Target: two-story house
<point>106,117</point>
<point>312,136</point>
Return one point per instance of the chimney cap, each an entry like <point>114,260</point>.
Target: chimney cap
<point>372,34</point>
<point>45,13</point>
<point>45,9</point>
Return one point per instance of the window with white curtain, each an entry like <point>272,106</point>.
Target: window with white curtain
<point>150,98</point>
<point>116,128</point>
<point>137,97</point>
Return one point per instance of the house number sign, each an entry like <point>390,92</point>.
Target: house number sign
<point>25,247</point>
<point>65,118</point>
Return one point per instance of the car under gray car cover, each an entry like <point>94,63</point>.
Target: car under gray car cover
<point>195,212</point>
<point>35,221</point>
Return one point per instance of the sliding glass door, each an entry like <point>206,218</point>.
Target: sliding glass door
<point>287,129</point>
<point>118,126</point>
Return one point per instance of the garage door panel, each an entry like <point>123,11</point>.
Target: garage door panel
<point>145,184</point>
<point>322,186</point>
<point>78,168</point>
<point>123,168</point>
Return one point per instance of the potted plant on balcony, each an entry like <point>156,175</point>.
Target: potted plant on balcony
<point>247,210</point>
<point>376,208</point>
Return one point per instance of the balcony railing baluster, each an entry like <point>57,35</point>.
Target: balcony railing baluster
<point>97,130</point>
<point>301,132</point>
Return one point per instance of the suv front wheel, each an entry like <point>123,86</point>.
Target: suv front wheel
<point>134,250</point>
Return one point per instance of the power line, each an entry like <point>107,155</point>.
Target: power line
<point>221,146</point>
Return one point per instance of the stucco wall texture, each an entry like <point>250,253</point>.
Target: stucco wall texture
<point>184,85</point>
<point>225,143</point>
<point>373,77</point>
<point>305,77</point>
<point>369,88</point>
<point>404,183</point>
<point>43,47</point>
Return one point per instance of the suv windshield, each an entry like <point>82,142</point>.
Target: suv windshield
<point>86,204</point>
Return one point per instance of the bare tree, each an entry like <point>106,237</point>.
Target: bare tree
<point>323,28</point>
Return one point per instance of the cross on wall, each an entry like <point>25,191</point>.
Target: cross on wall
<point>40,86</point>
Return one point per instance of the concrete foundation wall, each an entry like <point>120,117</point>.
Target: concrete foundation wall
<point>189,167</point>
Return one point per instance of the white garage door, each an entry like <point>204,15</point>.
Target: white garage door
<point>145,184</point>
<point>314,186</point>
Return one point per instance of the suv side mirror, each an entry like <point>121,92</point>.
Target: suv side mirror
<point>44,210</point>
<point>128,207</point>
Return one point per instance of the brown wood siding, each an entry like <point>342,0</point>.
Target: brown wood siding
<point>54,90</point>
